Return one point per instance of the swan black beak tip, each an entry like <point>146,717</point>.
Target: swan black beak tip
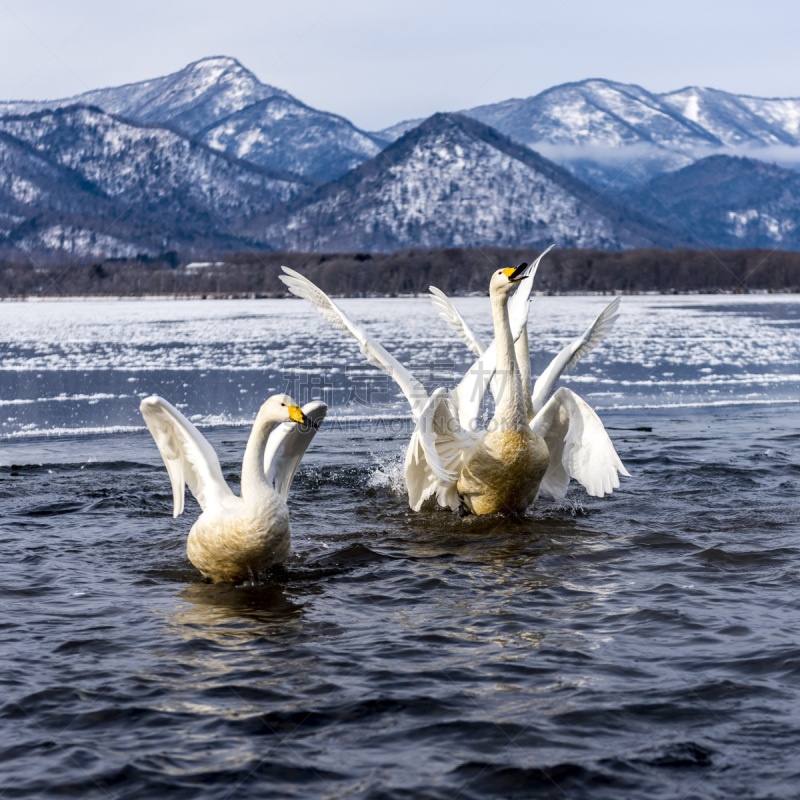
<point>517,275</point>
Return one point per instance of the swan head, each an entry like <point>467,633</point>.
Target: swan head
<point>282,408</point>
<point>504,280</point>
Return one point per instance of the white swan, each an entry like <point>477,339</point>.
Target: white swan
<point>503,468</point>
<point>446,437</point>
<point>235,538</point>
<point>579,446</point>
<point>565,360</point>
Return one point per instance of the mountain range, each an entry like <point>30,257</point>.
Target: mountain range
<point>219,102</point>
<point>82,181</point>
<point>211,159</point>
<point>455,181</point>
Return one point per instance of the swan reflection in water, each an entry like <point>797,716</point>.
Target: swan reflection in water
<point>226,611</point>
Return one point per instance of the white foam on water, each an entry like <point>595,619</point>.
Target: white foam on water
<point>389,475</point>
<point>31,432</point>
<point>63,398</point>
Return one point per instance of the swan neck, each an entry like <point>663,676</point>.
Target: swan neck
<point>254,481</point>
<point>522,353</point>
<point>510,406</point>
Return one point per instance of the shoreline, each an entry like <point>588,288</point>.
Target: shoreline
<point>90,298</point>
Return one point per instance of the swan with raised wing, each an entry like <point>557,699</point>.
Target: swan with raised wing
<point>501,468</point>
<point>579,446</point>
<point>236,538</point>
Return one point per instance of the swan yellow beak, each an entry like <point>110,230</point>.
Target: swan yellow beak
<point>515,275</point>
<point>296,414</point>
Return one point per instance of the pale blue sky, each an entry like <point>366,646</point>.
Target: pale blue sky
<point>378,63</point>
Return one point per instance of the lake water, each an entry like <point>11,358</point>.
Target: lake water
<point>643,645</point>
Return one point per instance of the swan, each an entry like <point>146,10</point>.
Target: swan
<point>235,538</point>
<point>503,468</point>
<point>579,446</point>
<point>500,468</point>
<point>565,360</point>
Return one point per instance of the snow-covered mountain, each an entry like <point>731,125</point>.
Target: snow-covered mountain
<point>727,202</point>
<point>154,187</point>
<point>33,187</point>
<point>606,132</point>
<point>283,133</point>
<point>594,112</point>
<point>191,99</point>
<point>738,120</point>
<point>223,104</point>
<point>453,182</point>
<point>621,135</point>
<point>210,157</point>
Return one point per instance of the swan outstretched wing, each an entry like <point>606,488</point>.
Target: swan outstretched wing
<point>376,355</point>
<point>287,444</point>
<point>569,355</point>
<point>451,315</point>
<point>189,458</point>
<point>436,454</point>
<point>579,447</point>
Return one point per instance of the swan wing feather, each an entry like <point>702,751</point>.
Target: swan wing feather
<point>435,454</point>
<point>287,444</point>
<point>300,286</point>
<point>579,447</point>
<point>451,315</point>
<point>570,354</point>
<point>188,456</point>
<point>520,301</point>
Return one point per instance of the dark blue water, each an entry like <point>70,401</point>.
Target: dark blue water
<point>645,644</point>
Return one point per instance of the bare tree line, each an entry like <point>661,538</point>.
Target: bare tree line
<point>405,272</point>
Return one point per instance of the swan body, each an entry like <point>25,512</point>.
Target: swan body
<point>502,468</point>
<point>504,473</point>
<point>236,538</point>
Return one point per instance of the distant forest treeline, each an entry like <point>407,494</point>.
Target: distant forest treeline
<point>410,272</point>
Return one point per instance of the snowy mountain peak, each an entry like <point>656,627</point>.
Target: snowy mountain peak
<point>208,74</point>
<point>217,63</point>
<point>192,98</point>
<point>223,73</point>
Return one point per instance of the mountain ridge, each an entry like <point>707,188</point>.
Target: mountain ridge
<point>388,201</point>
<point>201,97</point>
<point>155,187</point>
<point>713,200</point>
<point>615,134</point>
